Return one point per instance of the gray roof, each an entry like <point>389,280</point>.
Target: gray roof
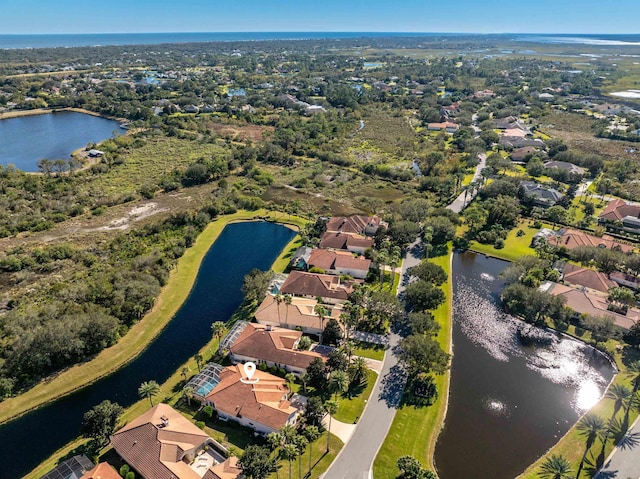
<point>73,468</point>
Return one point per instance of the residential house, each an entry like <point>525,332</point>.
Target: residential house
<point>519,142</point>
<point>163,444</point>
<point>447,126</point>
<point>339,263</point>
<point>299,313</point>
<point>521,154</point>
<point>619,211</point>
<point>300,258</point>
<point>582,301</point>
<point>73,468</point>
<point>545,234</point>
<point>571,239</point>
<point>332,289</point>
<point>103,470</point>
<point>273,346</point>
<point>624,279</point>
<point>512,123</point>
<point>565,165</point>
<point>547,97</point>
<point>540,195</point>
<point>347,241</point>
<point>96,153</point>
<point>585,277</point>
<point>356,224</point>
<point>262,406</point>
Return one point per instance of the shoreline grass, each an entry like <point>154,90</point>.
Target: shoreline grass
<point>415,430</point>
<point>171,297</point>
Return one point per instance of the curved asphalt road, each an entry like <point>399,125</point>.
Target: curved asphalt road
<point>355,461</point>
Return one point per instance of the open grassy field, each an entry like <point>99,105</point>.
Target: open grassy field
<point>350,409</point>
<point>415,430</point>
<point>171,297</point>
<point>514,246</point>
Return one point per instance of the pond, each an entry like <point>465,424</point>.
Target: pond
<point>25,140</point>
<point>510,400</point>
<point>29,440</point>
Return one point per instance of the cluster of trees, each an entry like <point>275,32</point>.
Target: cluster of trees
<point>342,374</point>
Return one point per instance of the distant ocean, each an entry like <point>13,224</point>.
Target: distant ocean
<point>103,39</point>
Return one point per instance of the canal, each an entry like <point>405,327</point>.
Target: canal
<point>29,440</point>
<point>509,402</point>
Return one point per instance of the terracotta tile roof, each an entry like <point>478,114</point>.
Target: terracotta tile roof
<point>574,238</point>
<point>588,278</point>
<point>442,126</point>
<point>155,443</point>
<point>299,283</point>
<point>228,469</point>
<point>620,276</point>
<point>592,304</point>
<point>355,224</point>
<point>338,240</point>
<point>264,402</point>
<point>329,259</point>
<point>300,313</point>
<point>102,471</point>
<point>522,153</point>
<point>274,345</point>
<point>618,209</point>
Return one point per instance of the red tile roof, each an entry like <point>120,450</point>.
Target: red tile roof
<point>328,259</point>
<point>264,402</point>
<point>574,238</point>
<point>338,240</point>
<point>299,283</point>
<point>588,278</point>
<point>618,209</point>
<point>274,345</point>
<point>103,470</point>
<point>355,224</point>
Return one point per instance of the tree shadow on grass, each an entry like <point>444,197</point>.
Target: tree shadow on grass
<point>393,386</point>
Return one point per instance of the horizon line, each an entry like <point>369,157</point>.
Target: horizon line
<point>322,31</point>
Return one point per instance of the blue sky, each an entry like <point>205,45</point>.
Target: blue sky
<point>493,16</point>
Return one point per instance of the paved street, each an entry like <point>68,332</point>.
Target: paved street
<point>463,200</point>
<point>624,462</point>
<point>355,461</point>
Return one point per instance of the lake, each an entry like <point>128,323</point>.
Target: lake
<point>509,402</point>
<point>29,440</point>
<point>25,140</point>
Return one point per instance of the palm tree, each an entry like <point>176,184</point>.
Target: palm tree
<point>358,370</point>
<point>395,260</point>
<point>287,302</point>
<point>300,442</point>
<point>621,396</point>
<point>427,237</point>
<point>279,298</point>
<point>198,357</point>
<point>311,433</point>
<point>187,393</point>
<point>591,426</point>
<point>149,389</point>
<point>275,440</point>
<point>338,382</point>
<point>217,329</point>
<point>347,348</point>
<point>289,452</point>
<point>633,371</point>
<point>304,379</point>
<point>321,311</point>
<point>555,467</point>
<point>382,259</point>
<point>330,407</point>
<point>290,378</point>
<point>185,372</point>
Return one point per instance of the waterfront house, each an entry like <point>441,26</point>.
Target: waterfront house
<point>103,470</point>
<point>299,313</point>
<point>619,212</point>
<point>571,239</point>
<point>300,258</point>
<point>262,406</point>
<point>347,241</point>
<point>332,289</point>
<point>339,263</point>
<point>163,444</point>
<point>269,345</point>
<point>356,224</point>
<point>73,468</point>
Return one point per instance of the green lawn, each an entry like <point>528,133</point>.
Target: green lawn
<point>320,459</point>
<point>350,409</point>
<point>514,246</point>
<point>368,350</point>
<point>386,285</point>
<point>415,430</point>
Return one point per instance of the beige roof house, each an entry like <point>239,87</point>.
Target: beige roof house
<point>356,224</point>
<point>300,313</point>
<point>163,444</point>
<point>263,405</point>
<point>589,278</point>
<point>339,262</point>
<point>571,239</point>
<point>348,241</point>
<point>102,471</point>
<point>617,210</point>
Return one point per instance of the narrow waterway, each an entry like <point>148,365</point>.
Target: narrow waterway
<point>509,402</point>
<point>27,441</point>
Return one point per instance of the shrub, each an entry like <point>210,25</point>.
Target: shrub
<point>124,470</point>
<point>200,424</point>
